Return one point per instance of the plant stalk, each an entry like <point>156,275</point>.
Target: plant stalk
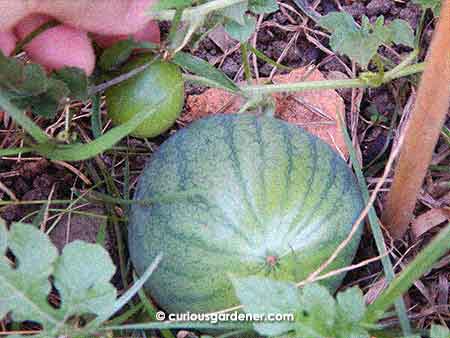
<point>332,84</point>
<point>422,131</point>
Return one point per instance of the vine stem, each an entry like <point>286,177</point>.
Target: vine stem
<point>194,13</point>
<point>331,84</point>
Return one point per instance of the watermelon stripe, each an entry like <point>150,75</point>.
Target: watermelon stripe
<point>330,183</point>
<point>335,206</point>
<point>310,181</point>
<point>195,240</point>
<point>285,131</point>
<point>227,222</point>
<point>261,169</point>
<point>181,164</point>
<point>230,142</point>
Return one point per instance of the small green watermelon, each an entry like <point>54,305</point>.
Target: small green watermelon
<point>148,90</point>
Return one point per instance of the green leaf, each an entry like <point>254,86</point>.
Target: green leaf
<point>263,295</point>
<point>317,312</point>
<point>351,305</point>
<point>23,120</point>
<point>361,43</point>
<point>263,6</point>
<point>48,103</point>
<point>85,288</point>
<point>236,12</point>
<point>350,311</point>
<point>75,80</point>
<point>114,56</point>
<point>339,24</point>
<point>348,39</point>
<point>35,80</point>
<point>11,73</point>
<point>27,86</point>
<point>434,5</point>
<point>241,32</point>
<point>202,68</point>
<point>402,33</point>
<point>3,239</point>
<point>24,290</point>
<point>316,300</point>
<point>81,275</point>
<point>438,331</point>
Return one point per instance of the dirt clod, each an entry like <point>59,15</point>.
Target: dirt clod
<point>78,227</point>
<point>378,7</point>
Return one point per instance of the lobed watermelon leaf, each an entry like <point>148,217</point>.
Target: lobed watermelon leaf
<point>317,314</point>
<point>29,87</point>
<point>264,295</point>
<point>81,275</point>
<point>76,81</point>
<point>361,43</point>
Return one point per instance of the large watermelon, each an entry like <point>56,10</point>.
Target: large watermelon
<point>239,195</point>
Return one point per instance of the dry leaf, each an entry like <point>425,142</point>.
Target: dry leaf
<point>428,220</point>
<point>313,110</point>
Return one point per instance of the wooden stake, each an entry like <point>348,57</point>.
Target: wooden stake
<point>422,131</point>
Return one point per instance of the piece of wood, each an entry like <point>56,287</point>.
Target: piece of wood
<point>422,131</point>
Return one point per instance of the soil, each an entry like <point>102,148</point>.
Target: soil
<point>31,179</point>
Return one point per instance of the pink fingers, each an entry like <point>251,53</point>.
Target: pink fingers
<point>59,46</point>
<point>7,42</point>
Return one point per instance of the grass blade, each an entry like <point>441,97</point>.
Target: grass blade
<point>96,119</point>
<point>125,298</point>
<point>376,232</point>
<point>420,265</point>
